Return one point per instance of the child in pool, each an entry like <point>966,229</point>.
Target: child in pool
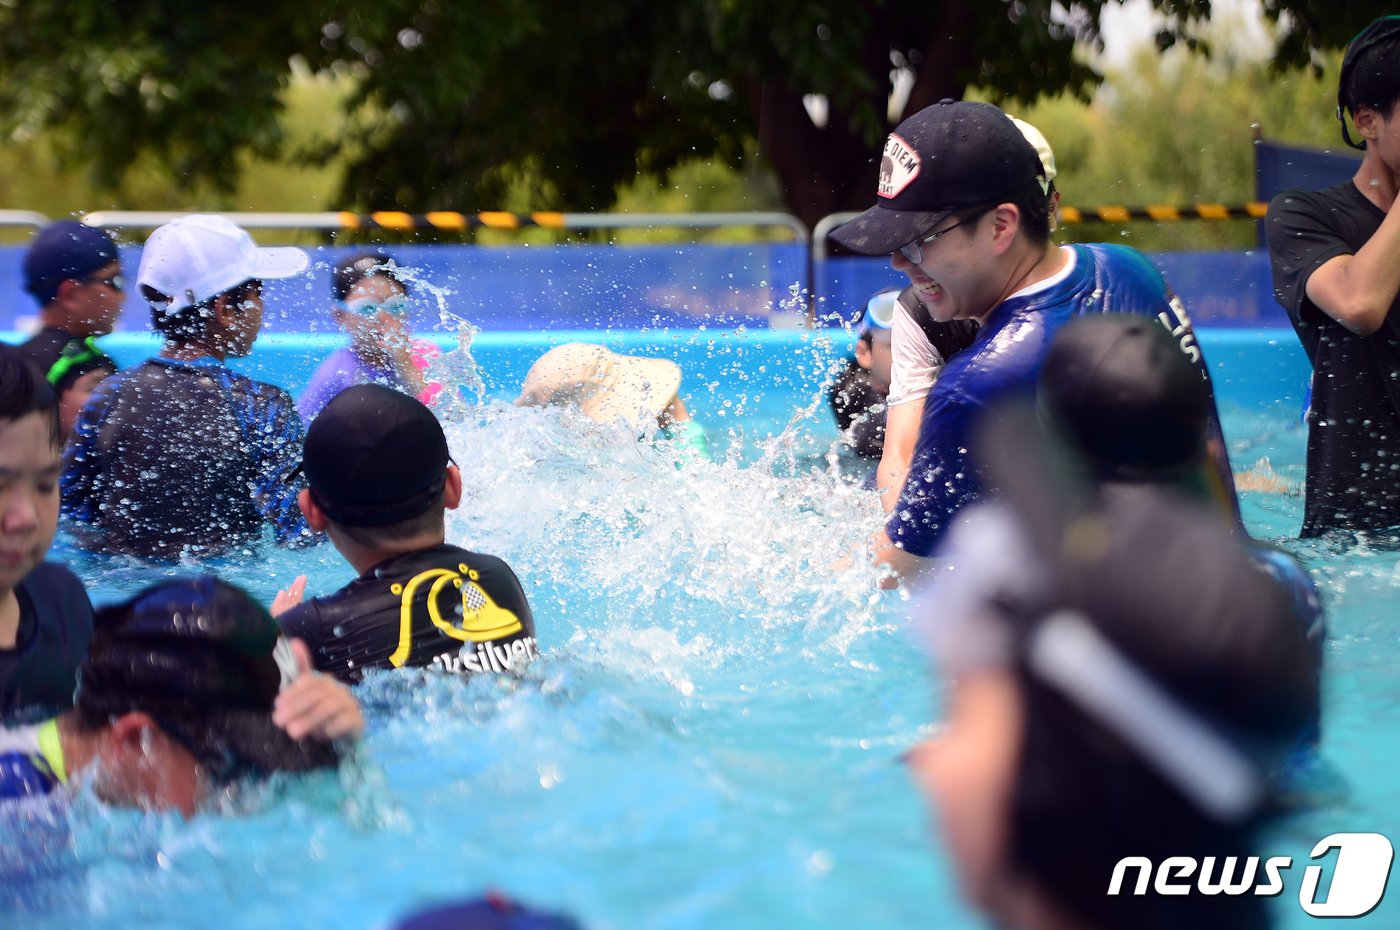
<point>45,614</point>
<point>373,300</point>
<point>640,392</point>
<point>379,483</point>
<point>169,711</point>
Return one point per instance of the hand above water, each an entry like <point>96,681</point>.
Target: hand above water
<point>290,597</point>
<point>316,706</point>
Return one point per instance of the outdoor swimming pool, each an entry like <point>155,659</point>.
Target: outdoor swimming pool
<point>710,739</point>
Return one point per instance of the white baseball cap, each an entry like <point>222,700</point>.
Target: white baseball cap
<point>1042,148</point>
<point>195,257</point>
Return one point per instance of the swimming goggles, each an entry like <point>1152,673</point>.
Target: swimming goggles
<point>115,281</point>
<point>368,306</point>
<point>879,310</point>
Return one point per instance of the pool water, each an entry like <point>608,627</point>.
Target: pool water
<point>711,737</point>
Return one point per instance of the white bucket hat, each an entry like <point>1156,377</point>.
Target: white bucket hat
<point>195,257</point>
<point>605,386</point>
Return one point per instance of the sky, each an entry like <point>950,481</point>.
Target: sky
<point>1128,27</point>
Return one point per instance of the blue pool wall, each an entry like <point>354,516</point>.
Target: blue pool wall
<point>1259,369</point>
<point>622,287</point>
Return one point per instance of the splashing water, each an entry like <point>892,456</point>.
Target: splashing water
<point>456,369</point>
<point>710,736</point>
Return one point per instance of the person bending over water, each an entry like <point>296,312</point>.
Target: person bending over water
<point>373,303</point>
<point>857,396</point>
<point>188,687</point>
<point>380,482</point>
<point>181,453</point>
<point>639,392</point>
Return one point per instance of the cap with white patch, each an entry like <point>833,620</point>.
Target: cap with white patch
<point>951,155</point>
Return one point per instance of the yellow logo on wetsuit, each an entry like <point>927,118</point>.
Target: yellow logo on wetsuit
<point>482,619</point>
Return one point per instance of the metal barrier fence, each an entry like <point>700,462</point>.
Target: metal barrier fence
<point>670,284</point>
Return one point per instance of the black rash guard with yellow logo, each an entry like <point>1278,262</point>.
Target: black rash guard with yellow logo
<point>442,607</point>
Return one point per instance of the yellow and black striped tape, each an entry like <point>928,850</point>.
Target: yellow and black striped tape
<point>1254,210</point>
<point>448,221</point>
<point>458,222</point>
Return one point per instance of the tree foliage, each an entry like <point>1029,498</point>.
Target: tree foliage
<point>455,103</point>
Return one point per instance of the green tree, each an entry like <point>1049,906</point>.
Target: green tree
<point>457,104</point>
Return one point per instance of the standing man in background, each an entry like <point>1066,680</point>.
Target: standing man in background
<point>1336,265</point>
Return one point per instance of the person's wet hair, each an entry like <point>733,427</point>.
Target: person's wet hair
<point>1371,69</point>
<point>206,662</point>
<point>431,522</point>
<point>191,323</point>
<point>23,391</point>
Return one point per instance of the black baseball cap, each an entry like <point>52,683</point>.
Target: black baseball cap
<point>1127,398</point>
<point>206,662</point>
<point>353,269</point>
<point>374,456</point>
<point>952,155</point>
<point>63,251</point>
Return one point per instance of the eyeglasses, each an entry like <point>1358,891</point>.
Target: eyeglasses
<point>914,251</point>
<point>115,281</point>
<point>368,306</point>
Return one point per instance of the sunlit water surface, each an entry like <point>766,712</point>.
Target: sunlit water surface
<point>710,739</point>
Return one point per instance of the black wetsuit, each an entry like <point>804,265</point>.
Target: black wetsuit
<point>171,457</point>
<point>55,626</point>
<point>63,358</point>
<point>442,607</point>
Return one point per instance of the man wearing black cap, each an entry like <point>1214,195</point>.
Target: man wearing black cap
<point>74,273</point>
<point>379,482</point>
<point>1336,264</point>
<point>962,211</point>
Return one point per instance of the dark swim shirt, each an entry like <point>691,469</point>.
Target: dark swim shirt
<point>63,358</point>
<point>174,457</point>
<point>442,607</point>
<point>55,627</point>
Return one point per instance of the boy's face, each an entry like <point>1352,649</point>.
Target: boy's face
<point>29,468</point>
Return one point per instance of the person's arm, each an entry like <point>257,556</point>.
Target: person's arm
<point>82,460</point>
<point>903,565</point>
<point>941,480</point>
<point>901,433</point>
<point>914,366</point>
<point>1358,290</point>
